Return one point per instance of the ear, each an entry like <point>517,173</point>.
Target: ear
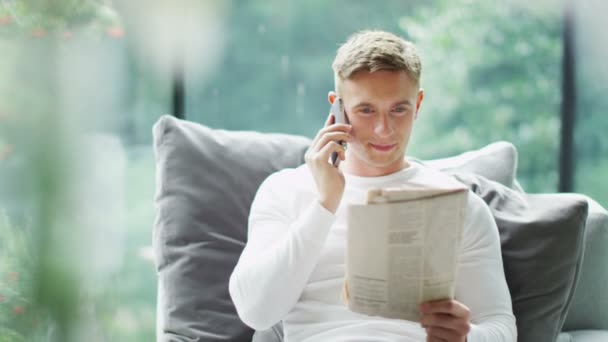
<point>331,97</point>
<point>419,101</point>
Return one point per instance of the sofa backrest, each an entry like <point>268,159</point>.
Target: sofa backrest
<point>206,179</point>
<point>589,307</point>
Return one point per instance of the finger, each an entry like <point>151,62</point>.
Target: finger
<point>448,306</point>
<point>341,157</point>
<point>441,334</point>
<point>328,122</point>
<point>333,136</point>
<point>317,145</point>
<point>341,127</point>
<point>434,339</point>
<point>446,321</point>
<point>331,128</point>
<point>328,149</point>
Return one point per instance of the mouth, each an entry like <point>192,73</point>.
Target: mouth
<point>383,148</point>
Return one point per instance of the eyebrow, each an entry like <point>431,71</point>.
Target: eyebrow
<point>367,104</point>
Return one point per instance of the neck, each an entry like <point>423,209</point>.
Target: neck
<point>358,168</point>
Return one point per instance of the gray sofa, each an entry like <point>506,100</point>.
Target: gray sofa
<point>555,246</point>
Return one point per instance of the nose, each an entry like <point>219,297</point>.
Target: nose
<point>383,126</point>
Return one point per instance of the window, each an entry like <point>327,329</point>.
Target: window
<point>490,71</point>
<point>81,87</point>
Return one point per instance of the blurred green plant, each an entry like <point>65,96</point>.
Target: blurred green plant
<point>35,189</point>
<point>40,18</point>
<point>20,318</point>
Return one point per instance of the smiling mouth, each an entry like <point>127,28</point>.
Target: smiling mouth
<point>383,148</point>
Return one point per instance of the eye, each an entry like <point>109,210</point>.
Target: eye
<point>400,110</point>
<point>366,110</point>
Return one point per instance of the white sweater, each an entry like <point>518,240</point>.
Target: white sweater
<point>292,268</point>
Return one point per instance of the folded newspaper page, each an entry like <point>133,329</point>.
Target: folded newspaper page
<point>402,248</point>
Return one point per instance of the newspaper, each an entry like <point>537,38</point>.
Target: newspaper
<point>402,249</point>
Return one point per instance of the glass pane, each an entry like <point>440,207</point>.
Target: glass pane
<point>491,71</point>
<point>592,103</point>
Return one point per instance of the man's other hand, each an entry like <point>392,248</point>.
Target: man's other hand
<point>445,320</point>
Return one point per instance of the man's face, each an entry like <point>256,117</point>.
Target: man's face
<point>381,107</point>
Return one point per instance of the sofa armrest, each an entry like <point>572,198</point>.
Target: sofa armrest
<point>589,307</point>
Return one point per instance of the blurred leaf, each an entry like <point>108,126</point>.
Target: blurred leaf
<point>8,335</point>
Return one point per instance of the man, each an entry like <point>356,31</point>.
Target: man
<point>292,268</point>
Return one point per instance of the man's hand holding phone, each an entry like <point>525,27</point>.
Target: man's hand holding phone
<point>329,178</point>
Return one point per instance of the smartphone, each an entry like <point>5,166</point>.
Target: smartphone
<point>337,109</point>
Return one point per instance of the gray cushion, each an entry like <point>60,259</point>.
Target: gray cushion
<point>542,240</point>
<point>584,336</point>
<point>206,180</point>
<point>589,335</point>
<point>589,309</point>
<point>496,161</point>
<point>564,337</point>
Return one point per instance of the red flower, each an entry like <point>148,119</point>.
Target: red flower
<point>38,33</point>
<point>115,32</point>
<point>5,20</point>
<point>18,310</point>
<point>13,276</point>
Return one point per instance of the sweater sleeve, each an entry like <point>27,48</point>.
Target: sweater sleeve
<point>481,283</point>
<point>283,247</point>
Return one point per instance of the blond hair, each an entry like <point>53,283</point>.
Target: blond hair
<point>374,51</point>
